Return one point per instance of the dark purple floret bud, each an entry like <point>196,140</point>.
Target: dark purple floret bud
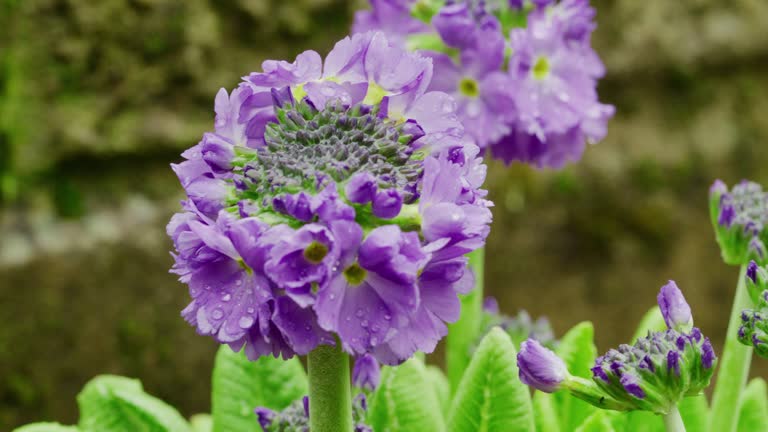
<point>361,188</point>
<point>490,305</point>
<point>266,416</point>
<point>387,203</point>
<point>754,325</point>
<point>708,354</point>
<point>632,386</point>
<point>673,362</point>
<point>540,368</point>
<point>727,215</point>
<point>366,373</point>
<point>674,308</point>
<point>752,271</point>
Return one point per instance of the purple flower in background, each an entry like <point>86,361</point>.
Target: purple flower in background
<point>541,107</point>
<point>540,368</point>
<point>674,308</point>
<point>739,217</point>
<point>366,373</point>
<point>314,208</point>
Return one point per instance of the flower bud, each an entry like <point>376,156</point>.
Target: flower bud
<point>739,217</point>
<point>754,326</point>
<point>366,373</point>
<point>674,308</point>
<point>540,368</point>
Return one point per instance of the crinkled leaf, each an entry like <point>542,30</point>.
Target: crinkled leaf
<point>490,397</point>
<point>46,427</point>
<point>240,385</point>
<point>578,351</point>
<point>442,388</point>
<point>753,413</point>
<point>545,414</point>
<point>201,423</point>
<point>651,321</point>
<point>405,401</point>
<point>598,421</point>
<point>118,404</point>
<point>694,411</point>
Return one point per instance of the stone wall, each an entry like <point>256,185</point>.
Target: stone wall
<point>97,98</point>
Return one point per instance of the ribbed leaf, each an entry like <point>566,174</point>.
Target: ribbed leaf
<point>118,404</point>
<point>240,385</point>
<point>753,413</point>
<point>441,387</point>
<point>578,351</point>
<point>694,411</point>
<point>490,397</point>
<point>598,421</point>
<point>405,401</point>
<point>46,427</point>
<point>545,413</point>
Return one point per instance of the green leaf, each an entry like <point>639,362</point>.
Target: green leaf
<point>405,401</point>
<point>117,404</point>
<point>240,385</point>
<point>578,351</point>
<point>651,321</point>
<point>644,421</point>
<point>442,388</point>
<point>544,411</point>
<point>695,412</point>
<point>753,413</point>
<point>201,423</point>
<point>490,397</point>
<point>598,421</point>
<point>46,427</point>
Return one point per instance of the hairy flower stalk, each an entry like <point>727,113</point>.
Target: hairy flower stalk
<point>654,374</point>
<point>329,214</point>
<point>524,74</point>
<point>739,217</point>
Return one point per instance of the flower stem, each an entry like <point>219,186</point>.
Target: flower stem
<point>330,401</point>
<point>464,332</point>
<point>673,422</point>
<point>734,366</point>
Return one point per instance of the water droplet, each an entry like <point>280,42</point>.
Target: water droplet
<point>387,317</point>
<point>207,287</point>
<point>226,297</point>
<point>238,283</point>
<point>359,313</point>
<point>217,314</point>
<point>250,310</point>
<point>308,327</point>
<point>374,341</point>
<point>374,328</point>
<point>349,318</point>
<point>332,296</point>
<point>364,323</point>
<point>246,322</point>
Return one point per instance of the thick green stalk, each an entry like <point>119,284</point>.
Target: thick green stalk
<point>330,402</point>
<point>673,422</point>
<point>734,366</point>
<point>464,332</point>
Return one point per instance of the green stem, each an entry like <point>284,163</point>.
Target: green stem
<point>464,332</point>
<point>734,366</point>
<point>673,422</point>
<point>330,401</point>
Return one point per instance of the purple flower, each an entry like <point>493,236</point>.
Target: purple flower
<point>393,17</point>
<point>555,94</point>
<point>674,308</point>
<point>314,207</point>
<point>366,373</point>
<point>540,368</point>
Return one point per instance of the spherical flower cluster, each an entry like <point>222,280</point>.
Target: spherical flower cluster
<point>653,375</point>
<point>334,199</point>
<point>740,217</point>
<point>539,105</point>
<point>519,327</point>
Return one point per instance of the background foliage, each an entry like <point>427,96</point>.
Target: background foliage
<point>97,98</point>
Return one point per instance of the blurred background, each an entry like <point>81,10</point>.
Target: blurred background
<point>98,97</point>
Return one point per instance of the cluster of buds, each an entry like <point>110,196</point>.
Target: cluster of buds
<point>754,322</point>
<point>740,217</point>
<point>652,375</point>
<point>519,327</point>
<point>295,417</point>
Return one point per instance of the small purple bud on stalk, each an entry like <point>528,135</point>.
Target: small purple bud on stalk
<point>540,368</point>
<point>674,308</point>
<point>366,373</point>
